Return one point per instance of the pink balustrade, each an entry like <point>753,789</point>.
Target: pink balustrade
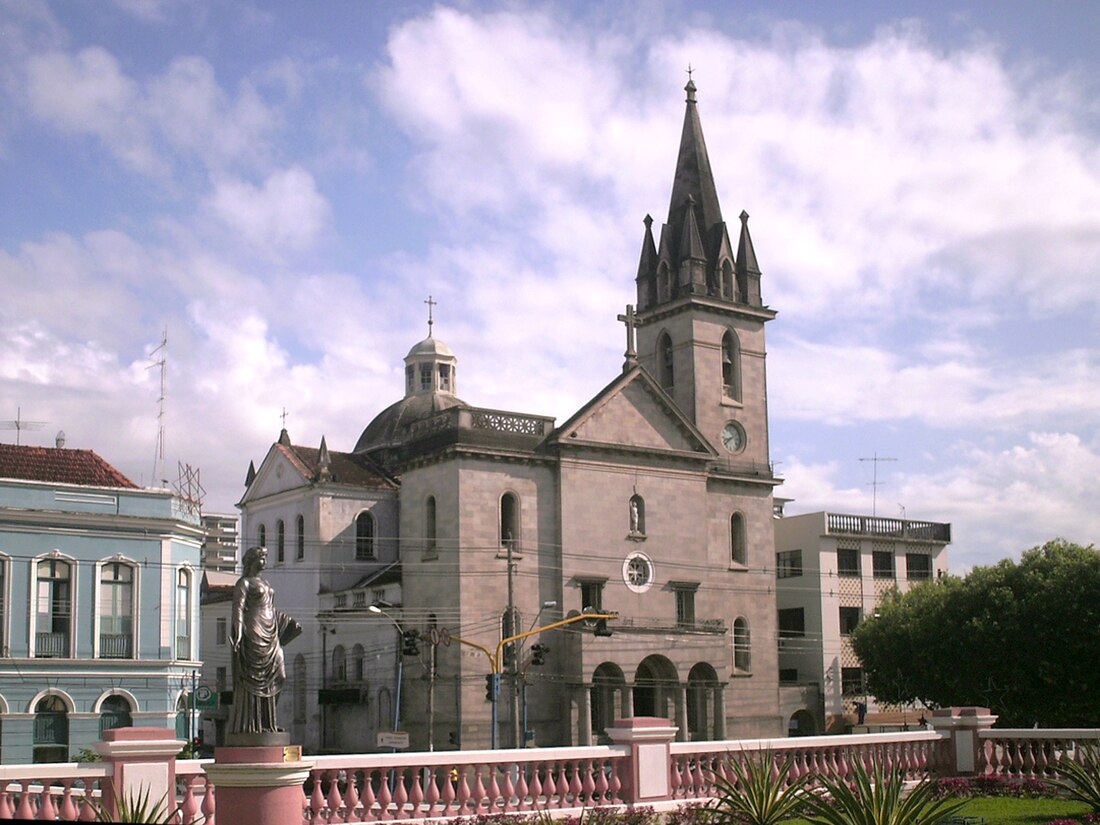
<point>695,764</point>
<point>387,787</point>
<point>68,791</point>
<point>1031,753</point>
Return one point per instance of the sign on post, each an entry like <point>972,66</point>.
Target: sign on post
<point>398,739</point>
<point>205,698</point>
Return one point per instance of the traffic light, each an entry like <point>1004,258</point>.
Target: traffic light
<point>410,643</point>
<point>538,654</point>
<point>492,686</point>
<point>452,739</point>
<point>601,628</point>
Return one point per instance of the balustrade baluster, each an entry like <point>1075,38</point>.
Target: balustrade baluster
<point>209,803</point>
<point>7,809</point>
<point>333,799</point>
<point>447,794</point>
<point>66,812</point>
<point>677,777</point>
<point>367,796</point>
<point>189,807</point>
<point>88,811</point>
<point>599,768</point>
<point>522,803</point>
<point>384,797</point>
<point>351,798</point>
<point>536,784</point>
<point>431,797</point>
<point>400,793</point>
<point>575,785</point>
<point>479,800</point>
<point>463,792</point>
<point>615,786</point>
<point>507,790</point>
<point>588,784</point>
<point>562,784</point>
<point>25,810</point>
<point>317,800</point>
<point>47,811</point>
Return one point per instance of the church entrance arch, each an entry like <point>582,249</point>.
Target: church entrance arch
<point>607,681</point>
<point>702,691</point>
<point>655,684</point>
<point>801,723</point>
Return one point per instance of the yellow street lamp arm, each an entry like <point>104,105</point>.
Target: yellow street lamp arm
<point>582,617</point>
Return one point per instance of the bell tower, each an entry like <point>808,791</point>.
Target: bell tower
<point>700,317</point>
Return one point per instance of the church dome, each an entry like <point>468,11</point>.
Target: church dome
<point>430,348</point>
<point>385,430</point>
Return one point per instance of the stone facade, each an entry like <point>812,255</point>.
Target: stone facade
<point>653,501</point>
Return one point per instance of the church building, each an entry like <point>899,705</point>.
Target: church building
<point>653,501</point>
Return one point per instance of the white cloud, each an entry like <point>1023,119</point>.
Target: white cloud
<point>287,211</point>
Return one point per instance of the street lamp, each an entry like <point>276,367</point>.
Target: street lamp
<point>374,608</point>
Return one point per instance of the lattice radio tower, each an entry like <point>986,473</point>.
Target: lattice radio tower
<point>162,364</point>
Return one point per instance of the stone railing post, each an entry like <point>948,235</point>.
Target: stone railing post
<point>964,748</point>
<point>143,762</point>
<point>646,775</point>
<point>259,785</point>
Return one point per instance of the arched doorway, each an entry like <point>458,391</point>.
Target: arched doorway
<point>801,723</point>
<point>655,685</point>
<point>51,730</point>
<point>115,712</point>
<point>607,680</point>
<point>701,701</point>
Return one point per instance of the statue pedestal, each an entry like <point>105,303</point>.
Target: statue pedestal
<point>259,784</point>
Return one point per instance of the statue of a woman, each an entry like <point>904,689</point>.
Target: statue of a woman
<point>257,634</point>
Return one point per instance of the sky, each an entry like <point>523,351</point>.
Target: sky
<point>281,186</point>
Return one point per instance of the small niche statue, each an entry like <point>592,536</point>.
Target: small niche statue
<point>257,634</point>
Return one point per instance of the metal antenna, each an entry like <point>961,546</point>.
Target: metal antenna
<point>20,424</point>
<point>876,458</point>
<point>162,363</point>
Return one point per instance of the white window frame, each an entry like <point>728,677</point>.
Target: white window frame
<point>191,611</point>
<point>32,607</point>
<point>135,601</point>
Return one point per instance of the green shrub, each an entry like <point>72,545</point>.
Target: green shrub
<point>1081,780</point>
<point>758,794</point>
<point>878,797</point>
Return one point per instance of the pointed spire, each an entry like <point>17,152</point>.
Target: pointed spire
<point>324,462</point>
<point>691,242</point>
<point>284,437</point>
<point>646,279</point>
<point>693,174</point>
<point>251,476</point>
<point>746,255</point>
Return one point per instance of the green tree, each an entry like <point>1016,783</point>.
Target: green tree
<point>1021,638</point>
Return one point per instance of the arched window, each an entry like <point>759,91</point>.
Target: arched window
<point>364,536</point>
<point>116,611</point>
<point>51,730</point>
<point>738,544</point>
<point>53,632</point>
<point>115,713</point>
<point>429,525</point>
<point>742,644</point>
<point>299,688</point>
<point>509,521</point>
<point>637,515</point>
<point>357,671</point>
<point>183,614</point>
<point>665,374</point>
<point>731,366</point>
<point>728,288</point>
<point>664,283</point>
<point>339,664</point>
<point>280,541</point>
<point>261,536</point>
<point>301,538</point>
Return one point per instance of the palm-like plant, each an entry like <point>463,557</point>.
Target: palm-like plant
<point>1081,779</point>
<point>878,797</point>
<point>139,807</point>
<point>758,794</point>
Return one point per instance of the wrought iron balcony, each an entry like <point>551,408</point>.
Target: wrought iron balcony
<point>116,646</point>
<point>51,645</point>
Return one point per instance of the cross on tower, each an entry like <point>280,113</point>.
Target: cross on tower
<point>430,304</point>
<point>689,71</point>
<point>631,354</point>
<point>283,416</point>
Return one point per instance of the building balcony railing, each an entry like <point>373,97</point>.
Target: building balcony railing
<point>116,646</point>
<point>888,527</point>
<point>48,645</point>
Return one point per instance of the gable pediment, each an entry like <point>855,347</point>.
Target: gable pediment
<point>277,474</point>
<point>633,413</point>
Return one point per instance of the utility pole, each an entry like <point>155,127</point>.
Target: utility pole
<point>434,639</point>
<point>513,664</point>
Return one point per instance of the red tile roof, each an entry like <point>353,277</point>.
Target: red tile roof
<point>59,465</point>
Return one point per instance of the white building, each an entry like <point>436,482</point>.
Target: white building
<point>832,571</point>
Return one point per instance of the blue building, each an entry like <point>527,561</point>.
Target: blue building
<point>98,603</point>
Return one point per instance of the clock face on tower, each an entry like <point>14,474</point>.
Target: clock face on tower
<point>733,437</point>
